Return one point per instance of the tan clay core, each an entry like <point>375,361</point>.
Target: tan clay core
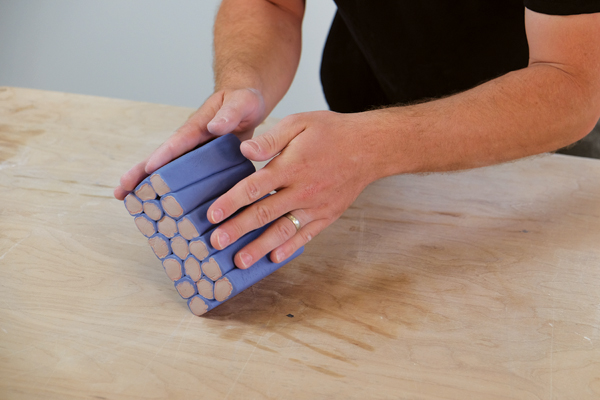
<point>133,205</point>
<point>159,185</point>
<point>145,226</point>
<point>192,268</point>
<point>187,229</point>
<point>205,289</point>
<point>152,211</point>
<point>145,192</point>
<point>198,306</point>
<point>167,226</point>
<point>171,206</point>
<point>173,269</point>
<point>211,269</point>
<point>186,289</point>
<point>180,248</point>
<point>159,246</point>
<point>198,249</point>
<point>223,289</point>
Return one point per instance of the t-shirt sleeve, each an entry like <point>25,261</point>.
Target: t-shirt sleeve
<point>563,7</point>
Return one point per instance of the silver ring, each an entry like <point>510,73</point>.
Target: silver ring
<point>294,221</point>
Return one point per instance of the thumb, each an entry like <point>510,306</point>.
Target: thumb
<point>241,107</point>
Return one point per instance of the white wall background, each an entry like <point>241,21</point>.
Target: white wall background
<point>148,50</point>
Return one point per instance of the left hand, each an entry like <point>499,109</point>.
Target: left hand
<point>323,165</point>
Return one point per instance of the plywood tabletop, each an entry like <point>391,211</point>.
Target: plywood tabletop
<point>481,284</point>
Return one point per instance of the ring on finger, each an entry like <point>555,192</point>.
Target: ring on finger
<point>294,221</point>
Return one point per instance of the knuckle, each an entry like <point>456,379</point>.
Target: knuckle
<point>285,230</point>
<point>252,190</point>
<point>263,215</point>
<point>306,235</point>
<point>269,141</point>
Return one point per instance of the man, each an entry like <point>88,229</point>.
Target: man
<point>511,79</point>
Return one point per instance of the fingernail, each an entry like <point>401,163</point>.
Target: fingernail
<point>246,259</point>
<point>220,120</point>
<point>217,215</point>
<point>279,256</point>
<point>222,239</point>
<point>253,145</point>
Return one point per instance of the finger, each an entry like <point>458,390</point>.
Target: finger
<point>304,235</point>
<point>130,179</point>
<point>245,192</point>
<point>270,143</point>
<point>185,139</point>
<point>238,106</point>
<point>280,232</point>
<point>255,216</point>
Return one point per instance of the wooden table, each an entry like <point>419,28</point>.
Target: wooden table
<point>474,285</point>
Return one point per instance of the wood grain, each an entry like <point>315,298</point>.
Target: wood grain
<point>473,285</point>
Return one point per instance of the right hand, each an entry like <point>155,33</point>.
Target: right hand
<point>237,111</point>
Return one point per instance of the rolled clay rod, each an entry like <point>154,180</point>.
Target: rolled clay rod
<point>145,191</point>
<point>191,266</point>
<point>177,204</point>
<point>160,245</point>
<point>167,226</point>
<point>179,247</point>
<point>173,267</point>
<point>195,223</point>
<point>236,282</point>
<point>221,153</point>
<point>133,204</point>
<point>221,262</point>
<point>145,225</point>
<point>186,287</point>
<point>153,209</point>
<point>206,288</point>
<point>200,247</point>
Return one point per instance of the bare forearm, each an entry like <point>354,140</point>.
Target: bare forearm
<point>526,112</point>
<point>257,45</point>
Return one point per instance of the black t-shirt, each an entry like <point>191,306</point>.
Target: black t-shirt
<point>397,52</point>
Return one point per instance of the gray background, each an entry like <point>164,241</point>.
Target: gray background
<point>146,50</point>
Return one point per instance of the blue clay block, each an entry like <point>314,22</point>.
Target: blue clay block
<point>221,262</point>
<point>186,287</point>
<point>160,245</point>
<point>221,153</point>
<point>179,203</point>
<point>239,280</point>
<point>195,223</point>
